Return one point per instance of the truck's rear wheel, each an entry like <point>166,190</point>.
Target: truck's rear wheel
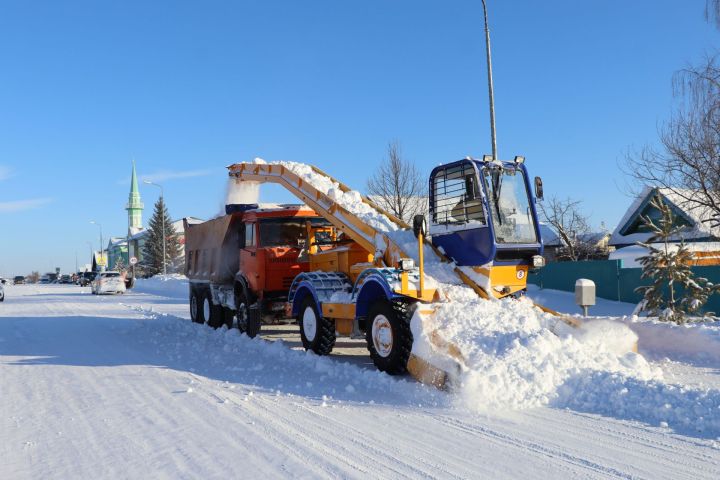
<point>317,333</point>
<point>228,316</point>
<point>247,323</point>
<point>213,313</point>
<point>388,336</point>
<point>195,307</point>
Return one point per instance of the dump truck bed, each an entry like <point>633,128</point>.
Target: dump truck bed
<point>211,249</point>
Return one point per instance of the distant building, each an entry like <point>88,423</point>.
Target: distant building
<point>698,234</point>
<point>117,248</point>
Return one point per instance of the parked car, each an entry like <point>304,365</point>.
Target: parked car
<point>108,282</point>
<point>2,281</point>
<point>19,280</point>
<point>65,279</point>
<point>2,293</point>
<point>86,278</point>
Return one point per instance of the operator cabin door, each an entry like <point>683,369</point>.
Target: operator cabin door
<point>250,264</point>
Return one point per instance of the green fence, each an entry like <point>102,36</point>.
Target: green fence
<point>612,282</point>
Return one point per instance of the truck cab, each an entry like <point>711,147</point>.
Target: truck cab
<point>240,266</point>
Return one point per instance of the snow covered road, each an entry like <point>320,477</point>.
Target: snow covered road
<point>127,387</point>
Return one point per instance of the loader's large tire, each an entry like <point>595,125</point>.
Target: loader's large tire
<point>388,336</point>
<point>195,307</point>
<point>316,332</point>
<point>213,313</point>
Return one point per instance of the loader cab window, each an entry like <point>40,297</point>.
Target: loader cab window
<point>250,235</point>
<point>456,196</point>
<point>509,202</point>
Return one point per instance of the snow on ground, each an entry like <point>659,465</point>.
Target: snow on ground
<point>126,386</point>
<point>171,285</point>
<point>564,302</point>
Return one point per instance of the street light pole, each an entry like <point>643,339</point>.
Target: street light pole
<point>102,257</point>
<point>490,84</point>
<point>162,214</point>
<point>91,252</point>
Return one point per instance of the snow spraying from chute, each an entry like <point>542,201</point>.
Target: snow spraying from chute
<point>242,192</point>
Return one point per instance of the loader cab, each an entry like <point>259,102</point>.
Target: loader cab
<point>483,212</point>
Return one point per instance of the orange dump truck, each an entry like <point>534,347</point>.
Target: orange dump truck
<point>241,265</point>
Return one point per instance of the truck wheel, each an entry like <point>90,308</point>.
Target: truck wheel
<point>195,314</point>
<point>242,312</point>
<point>213,313</point>
<point>228,316</point>
<point>317,333</point>
<point>388,336</point>
<point>249,319</point>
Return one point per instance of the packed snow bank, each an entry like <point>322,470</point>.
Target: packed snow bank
<point>172,285</point>
<point>273,367</point>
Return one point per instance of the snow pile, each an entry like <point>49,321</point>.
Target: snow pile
<point>512,359</point>
<point>697,342</point>
<point>171,285</point>
<point>684,409</point>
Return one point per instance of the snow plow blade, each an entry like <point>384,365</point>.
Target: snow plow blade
<point>426,373</point>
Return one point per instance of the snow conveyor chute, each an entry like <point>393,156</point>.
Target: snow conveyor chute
<point>375,276</point>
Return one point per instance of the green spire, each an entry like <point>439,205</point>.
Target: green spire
<point>134,206</point>
<point>134,186</point>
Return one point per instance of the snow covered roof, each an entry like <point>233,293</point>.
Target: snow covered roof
<point>690,212</point>
<point>117,241</point>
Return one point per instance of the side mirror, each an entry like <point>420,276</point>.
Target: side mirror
<point>419,225</point>
<point>538,188</point>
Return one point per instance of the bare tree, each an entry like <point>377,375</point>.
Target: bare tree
<point>572,227</point>
<point>398,186</point>
<point>688,161</point>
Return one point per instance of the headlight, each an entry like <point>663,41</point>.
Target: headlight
<point>538,261</point>
<point>406,264</point>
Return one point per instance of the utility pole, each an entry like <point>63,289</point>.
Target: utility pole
<point>490,84</point>
<point>102,257</point>
<point>162,204</point>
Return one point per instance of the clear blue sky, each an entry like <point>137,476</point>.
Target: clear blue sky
<point>189,87</point>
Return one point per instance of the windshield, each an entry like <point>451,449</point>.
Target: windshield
<point>509,205</point>
<point>286,232</point>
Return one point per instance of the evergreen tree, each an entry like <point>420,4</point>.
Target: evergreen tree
<point>152,262</point>
<point>670,271</point>
<point>120,264</point>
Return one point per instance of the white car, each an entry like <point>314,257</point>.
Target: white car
<point>108,282</point>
